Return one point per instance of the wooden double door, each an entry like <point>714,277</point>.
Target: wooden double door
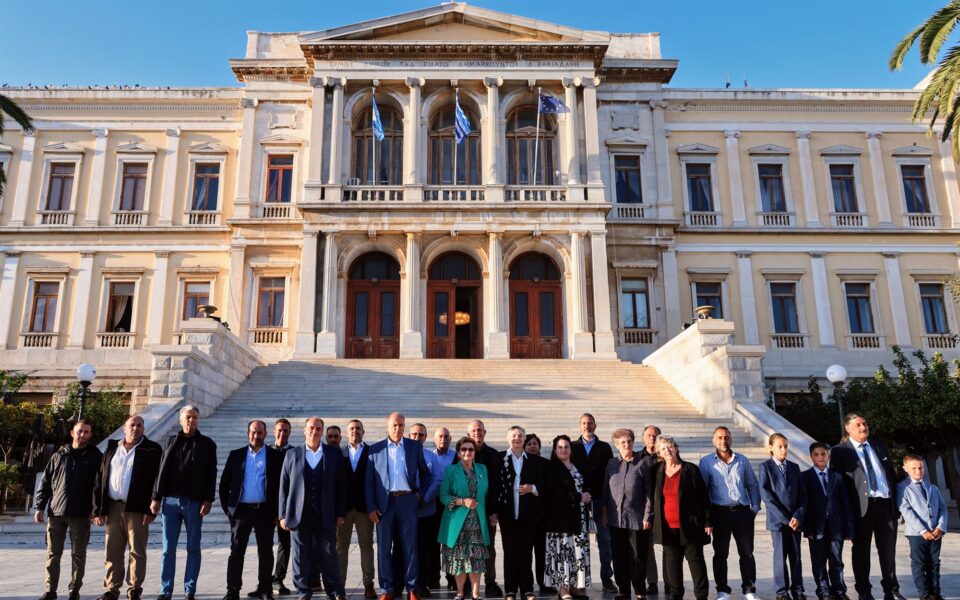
<point>536,319</point>
<point>454,326</point>
<point>373,319</point>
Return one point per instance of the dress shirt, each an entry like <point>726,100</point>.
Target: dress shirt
<point>731,484</point>
<point>445,459</point>
<point>313,456</point>
<point>355,455</point>
<point>781,464</point>
<point>254,490</point>
<point>121,468</point>
<point>823,477</point>
<point>397,466</point>
<point>865,452</point>
<point>588,445</point>
<point>517,468</point>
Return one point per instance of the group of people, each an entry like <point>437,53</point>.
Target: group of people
<point>437,510</point>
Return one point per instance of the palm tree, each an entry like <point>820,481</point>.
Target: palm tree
<point>9,108</point>
<point>940,94</point>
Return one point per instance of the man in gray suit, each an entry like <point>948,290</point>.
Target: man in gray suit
<point>312,505</point>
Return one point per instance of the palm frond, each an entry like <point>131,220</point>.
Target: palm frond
<point>901,49</point>
<point>941,90</point>
<point>936,29</point>
<point>11,109</point>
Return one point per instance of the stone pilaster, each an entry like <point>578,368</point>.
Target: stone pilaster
<point>571,163</point>
<point>603,343</point>
<point>821,294</point>
<point>498,339</point>
<point>748,297</point>
<point>898,303</point>
<point>736,180</point>
<point>806,179</point>
<point>879,179</point>
<point>8,281</point>
<point>591,128</point>
<point>336,132</point>
<point>411,341</point>
<point>490,136</point>
<point>949,167</point>
<point>21,196</point>
<point>158,295</point>
<point>81,304</point>
<point>98,171</point>
<point>306,337</point>
<point>241,205</point>
<point>582,340</point>
<point>327,338</point>
<point>234,306</point>
<point>671,290</point>
<point>314,183</point>
<point>169,193</point>
<point>661,153</point>
<point>413,186</point>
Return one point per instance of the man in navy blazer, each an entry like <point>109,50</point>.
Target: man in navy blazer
<point>397,480</point>
<point>827,521</point>
<point>312,504</point>
<point>786,499</point>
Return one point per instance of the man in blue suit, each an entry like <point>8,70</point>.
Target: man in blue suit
<point>397,480</point>
<point>313,503</point>
<point>786,498</point>
<point>827,521</point>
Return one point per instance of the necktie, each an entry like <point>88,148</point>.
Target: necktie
<point>823,481</point>
<point>782,468</point>
<point>871,474</point>
<point>923,490</point>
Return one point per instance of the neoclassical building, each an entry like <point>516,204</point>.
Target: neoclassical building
<point>821,221</point>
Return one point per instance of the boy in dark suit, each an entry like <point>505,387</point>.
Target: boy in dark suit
<point>827,521</point>
<point>786,500</point>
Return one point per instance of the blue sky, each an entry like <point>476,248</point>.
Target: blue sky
<point>773,43</point>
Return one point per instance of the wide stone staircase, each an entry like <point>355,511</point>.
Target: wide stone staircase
<point>546,397</point>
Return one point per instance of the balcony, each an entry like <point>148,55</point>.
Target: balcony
<point>864,341</point>
<point>637,337</point>
<point>940,341</point>
<point>56,217</point>
<point>203,217</point>
<point>702,218</point>
<point>267,336</point>
<point>373,193</point>
<point>276,210</point>
<point>38,340</point>
<point>628,212</point>
<point>110,339</point>
<point>920,220</point>
<point>535,193</point>
<point>450,193</point>
<point>848,220</point>
<point>776,219</point>
<point>130,217</point>
<point>788,341</point>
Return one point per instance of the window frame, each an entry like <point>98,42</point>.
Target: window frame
<point>446,133</point>
<point>122,161</point>
<point>724,294</point>
<point>697,158</point>
<point>871,284</point>
<point>365,134</point>
<point>195,160</point>
<point>33,306</point>
<point>182,294</point>
<point>56,275</point>
<point>926,277</point>
<point>647,279</point>
<point>292,167</point>
<point>549,142</point>
<point>51,157</point>
<point>757,160</point>
<point>110,277</point>
<point>845,159</point>
<point>798,299</point>
<point>638,154</point>
<point>917,161</point>
<point>269,273</point>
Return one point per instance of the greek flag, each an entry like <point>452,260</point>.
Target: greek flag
<point>550,105</point>
<point>377,124</point>
<point>462,128</point>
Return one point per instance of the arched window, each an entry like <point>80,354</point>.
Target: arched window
<point>389,151</point>
<point>454,265</point>
<point>442,143</point>
<point>533,266</point>
<point>521,138</point>
<point>375,265</point>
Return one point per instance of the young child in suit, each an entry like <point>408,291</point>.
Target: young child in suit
<point>828,521</point>
<point>786,500</point>
<point>924,523</point>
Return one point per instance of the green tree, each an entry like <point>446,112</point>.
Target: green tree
<point>15,423</point>
<point>9,108</point>
<point>104,409</point>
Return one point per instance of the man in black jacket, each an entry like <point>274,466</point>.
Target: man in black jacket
<point>121,501</point>
<point>281,439</point>
<point>184,493</point>
<point>66,497</point>
<point>249,488</point>
<point>649,456</point>
<point>355,453</point>
<point>590,455</point>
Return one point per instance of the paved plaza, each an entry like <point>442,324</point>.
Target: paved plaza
<point>21,571</point>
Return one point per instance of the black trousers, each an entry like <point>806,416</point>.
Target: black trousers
<point>652,564</point>
<point>539,551</point>
<point>247,518</point>
<point>282,555</point>
<point>433,550</point>
<point>879,523</point>
<point>311,546</point>
<point>826,562</point>
<point>518,540</point>
<point>673,570</point>
<point>426,543</point>
<point>737,523</point>
<point>629,548</point>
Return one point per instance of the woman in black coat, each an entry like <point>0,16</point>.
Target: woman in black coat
<point>565,521</point>
<point>681,519</point>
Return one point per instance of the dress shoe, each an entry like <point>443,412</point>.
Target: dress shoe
<point>303,597</point>
<point>191,597</point>
<point>49,596</point>
<point>369,592</point>
<point>386,596</point>
<point>232,595</point>
<point>610,587</point>
<point>108,596</point>
<point>161,597</point>
<point>652,589</point>
<point>894,595</point>
<point>254,594</point>
<point>74,595</point>
<point>135,594</point>
<point>413,595</point>
<point>493,590</point>
<point>282,590</point>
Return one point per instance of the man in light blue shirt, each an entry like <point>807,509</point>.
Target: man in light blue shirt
<point>444,456</point>
<point>735,501</point>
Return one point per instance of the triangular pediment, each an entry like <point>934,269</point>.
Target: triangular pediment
<point>455,22</point>
<point>5,149</point>
<point>137,148</point>
<point>697,149</point>
<point>207,148</point>
<point>913,151</point>
<point>769,149</point>
<point>281,140</point>
<point>841,150</point>
<point>626,140</point>
<point>63,148</point>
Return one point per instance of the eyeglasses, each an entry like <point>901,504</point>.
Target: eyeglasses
<point>467,450</point>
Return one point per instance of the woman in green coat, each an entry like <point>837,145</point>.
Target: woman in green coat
<point>463,529</point>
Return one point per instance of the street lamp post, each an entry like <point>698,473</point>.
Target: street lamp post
<point>86,373</point>
<point>837,375</point>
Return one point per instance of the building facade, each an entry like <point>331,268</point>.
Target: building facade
<point>823,222</point>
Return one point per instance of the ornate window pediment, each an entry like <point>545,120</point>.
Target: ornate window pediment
<point>63,148</point>
<point>207,148</point>
<point>281,139</point>
<point>627,140</point>
<point>841,150</point>
<point>697,149</point>
<point>912,151</point>
<point>769,149</point>
<point>136,148</point>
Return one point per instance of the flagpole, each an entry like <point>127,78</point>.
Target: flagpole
<point>373,91</point>
<point>536,143</point>
<point>456,146</point>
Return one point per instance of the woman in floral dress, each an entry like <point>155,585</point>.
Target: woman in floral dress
<point>565,508</point>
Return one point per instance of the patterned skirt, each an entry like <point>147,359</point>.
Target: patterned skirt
<point>469,554</point>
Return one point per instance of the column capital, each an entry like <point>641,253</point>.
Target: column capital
<point>571,81</point>
<point>590,82</point>
<point>249,103</point>
<point>874,135</point>
<point>815,254</point>
<point>15,253</point>
<point>492,81</point>
<point>414,82</point>
<point>731,133</point>
<point>162,253</point>
<point>804,134</point>
<point>599,234</point>
<point>337,82</point>
<point>318,82</point>
<point>100,132</point>
<point>890,254</point>
<point>744,253</point>
<point>493,235</point>
<point>311,233</point>
<point>88,253</point>
<point>577,234</point>
<point>657,104</point>
<point>29,133</point>
<point>413,234</point>
<point>173,132</point>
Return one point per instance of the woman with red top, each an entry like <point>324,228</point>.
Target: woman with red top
<point>681,518</point>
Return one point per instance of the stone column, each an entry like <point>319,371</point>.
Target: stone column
<point>8,281</point>
<point>234,312</point>
<point>879,178</point>
<point>671,290</point>
<point>306,337</point>
<point>314,184</point>
<point>748,297</point>
<point>591,129</point>
<point>490,140</point>
<point>661,153</point>
<point>498,338</point>
<point>603,328</point>
<point>821,295</point>
<point>736,180</point>
<point>241,205</point>
<point>898,303</point>
<point>169,193</point>
<point>22,195</point>
<point>949,167</point>
<point>158,296</point>
<point>413,187</point>
<point>582,340</point>
<point>806,179</point>
<point>336,132</point>
<point>98,171</point>
<point>81,304</point>
<point>571,165</point>
<point>327,338</point>
<point>411,344</point>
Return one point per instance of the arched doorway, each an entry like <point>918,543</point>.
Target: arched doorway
<point>373,307</point>
<point>454,308</point>
<point>536,315</point>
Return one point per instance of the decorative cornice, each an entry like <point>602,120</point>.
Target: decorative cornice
<point>840,150</point>
<point>690,107</point>
<point>207,148</point>
<point>131,107</point>
<point>63,148</point>
<point>771,149</point>
<point>285,69</point>
<point>697,149</point>
<point>281,140</point>
<point>136,148</point>
<point>913,150</point>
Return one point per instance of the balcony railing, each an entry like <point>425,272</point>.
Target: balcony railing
<point>940,341</point>
<point>56,217</point>
<point>703,218</point>
<point>268,336</point>
<point>865,341</point>
<point>637,337</point>
<point>920,220</point>
<point>203,217</point>
<point>114,339</point>
<point>628,212</point>
<point>275,210</point>
<point>535,193</point>
<point>847,220</point>
<point>38,340</point>
<point>129,217</point>
<point>776,219</point>
<point>373,193</point>
<point>450,193</point>
<point>788,340</point>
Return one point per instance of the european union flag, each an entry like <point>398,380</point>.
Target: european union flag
<point>377,124</point>
<point>462,128</point>
<point>550,105</point>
